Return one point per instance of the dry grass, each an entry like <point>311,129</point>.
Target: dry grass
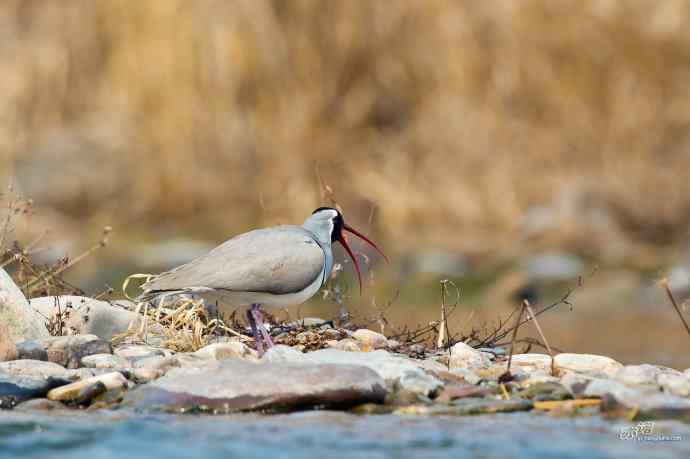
<point>449,116</point>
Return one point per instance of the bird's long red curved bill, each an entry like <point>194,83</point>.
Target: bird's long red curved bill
<point>343,241</point>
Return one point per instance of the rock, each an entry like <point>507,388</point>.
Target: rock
<point>539,377</point>
<point>532,362</point>
<point>369,339</point>
<point>470,406</point>
<point>31,350</point>
<point>75,390</point>
<point>393,344</point>
<point>236,385</point>
<point>432,366</point>
<point>134,352</point>
<point>348,345</point>
<point>88,316</point>
<point>464,356</point>
<point>638,375</point>
<point>104,361</point>
<point>418,382</point>
<point>69,350</point>
<point>545,391</point>
<point>228,350</point>
<point>39,404</point>
<point>592,365</point>
<point>8,350</point>
<point>621,400</point>
<point>172,361</point>
<point>676,384</point>
<point>157,362</point>
<point>397,371</point>
<point>16,389</point>
<point>34,368</point>
<point>282,353</point>
<point>468,375</point>
<point>88,393</point>
<point>78,374</point>
<point>22,322</point>
<point>457,391</point>
<point>145,375</point>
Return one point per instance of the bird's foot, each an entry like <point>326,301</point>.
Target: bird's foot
<point>255,332</point>
<point>258,318</point>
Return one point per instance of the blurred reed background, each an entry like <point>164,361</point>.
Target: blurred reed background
<point>466,135</point>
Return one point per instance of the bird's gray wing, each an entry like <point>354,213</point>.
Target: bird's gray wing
<point>279,260</point>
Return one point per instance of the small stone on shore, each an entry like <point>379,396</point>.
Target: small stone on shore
<point>73,392</point>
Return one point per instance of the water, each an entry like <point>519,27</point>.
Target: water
<point>323,435</point>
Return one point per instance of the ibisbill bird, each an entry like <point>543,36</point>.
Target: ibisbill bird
<point>271,267</point>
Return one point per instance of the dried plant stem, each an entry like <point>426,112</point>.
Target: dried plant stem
<point>44,277</point>
<point>664,284</point>
<point>26,251</point>
<point>512,340</point>
<point>533,317</point>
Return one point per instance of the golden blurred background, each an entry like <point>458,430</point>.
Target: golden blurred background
<point>477,140</point>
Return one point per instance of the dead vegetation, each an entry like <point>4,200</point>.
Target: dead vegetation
<point>519,101</point>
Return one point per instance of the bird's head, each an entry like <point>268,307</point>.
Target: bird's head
<point>332,222</point>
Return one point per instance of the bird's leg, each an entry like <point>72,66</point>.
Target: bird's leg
<point>260,325</point>
<point>255,331</point>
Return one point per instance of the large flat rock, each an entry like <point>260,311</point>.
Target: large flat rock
<point>236,385</point>
<point>397,371</point>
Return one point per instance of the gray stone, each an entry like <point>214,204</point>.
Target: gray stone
<point>391,368</point>
<point>88,316</point>
<point>592,365</point>
<point>69,350</point>
<point>133,352</point>
<point>78,374</point>
<point>676,384</point>
<point>468,375</point>
<point>282,353</point>
<point>647,405</point>
<point>638,375</point>
<point>31,350</point>
<point>16,389</point>
<point>104,361</point>
<point>464,356</point>
<point>348,345</point>
<point>145,375</point>
<point>73,391</point>
<point>370,339</point>
<point>228,350</point>
<point>236,385</point>
<point>34,368</point>
<point>532,362</point>
<point>22,322</point>
<point>539,377</point>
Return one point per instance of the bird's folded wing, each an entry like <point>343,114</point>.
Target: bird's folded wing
<point>278,260</point>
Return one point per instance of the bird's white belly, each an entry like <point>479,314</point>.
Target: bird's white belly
<point>230,300</point>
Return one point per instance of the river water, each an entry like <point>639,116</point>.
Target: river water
<point>322,435</point>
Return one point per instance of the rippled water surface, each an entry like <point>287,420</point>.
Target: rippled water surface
<point>325,435</point>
